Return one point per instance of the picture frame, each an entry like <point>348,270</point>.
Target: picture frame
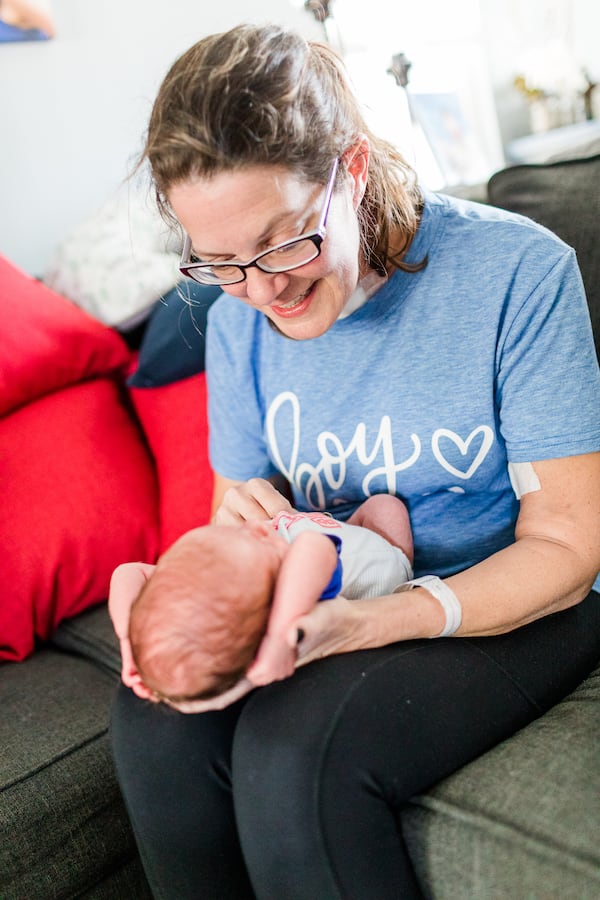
<point>453,140</point>
<point>25,20</point>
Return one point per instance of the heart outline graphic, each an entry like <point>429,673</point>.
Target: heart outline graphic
<point>463,447</point>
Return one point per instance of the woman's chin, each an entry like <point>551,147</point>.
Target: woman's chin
<point>301,329</point>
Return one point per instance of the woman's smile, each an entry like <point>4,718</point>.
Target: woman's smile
<point>297,306</point>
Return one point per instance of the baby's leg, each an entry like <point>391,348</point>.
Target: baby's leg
<point>387,516</point>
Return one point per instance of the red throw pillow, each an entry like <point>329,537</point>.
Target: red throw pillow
<point>78,499</point>
<point>173,418</point>
<point>46,342</point>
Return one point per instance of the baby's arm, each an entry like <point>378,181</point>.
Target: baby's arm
<point>126,583</point>
<point>305,572</point>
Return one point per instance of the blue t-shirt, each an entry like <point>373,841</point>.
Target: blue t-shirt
<point>427,391</point>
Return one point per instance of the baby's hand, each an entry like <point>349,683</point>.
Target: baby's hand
<point>129,673</point>
<point>126,582</point>
<point>275,660</point>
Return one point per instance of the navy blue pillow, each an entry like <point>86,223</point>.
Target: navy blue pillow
<point>172,347</point>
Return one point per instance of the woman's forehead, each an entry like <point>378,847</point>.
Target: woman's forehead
<point>242,205</point>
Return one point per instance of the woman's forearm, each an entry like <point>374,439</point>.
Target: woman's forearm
<point>530,579</point>
<point>526,581</point>
<point>551,565</point>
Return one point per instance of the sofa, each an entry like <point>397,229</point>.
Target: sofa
<point>103,459</point>
<point>87,490</point>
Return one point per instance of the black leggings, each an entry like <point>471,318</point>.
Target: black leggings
<point>296,792</point>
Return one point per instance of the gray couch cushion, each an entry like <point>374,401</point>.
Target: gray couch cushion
<point>59,799</point>
<point>565,197</point>
<point>521,821</point>
<point>91,635</point>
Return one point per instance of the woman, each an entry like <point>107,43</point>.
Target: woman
<point>388,340</point>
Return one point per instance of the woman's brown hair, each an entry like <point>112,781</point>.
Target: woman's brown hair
<point>259,95</point>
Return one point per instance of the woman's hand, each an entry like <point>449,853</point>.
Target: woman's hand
<point>240,501</point>
<point>333,626</point>
<point>341,625</point>
<point>230,696</point>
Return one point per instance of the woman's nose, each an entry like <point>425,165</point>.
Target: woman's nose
<point>261,288</point>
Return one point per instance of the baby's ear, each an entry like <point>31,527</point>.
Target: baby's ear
<point>140,690</point>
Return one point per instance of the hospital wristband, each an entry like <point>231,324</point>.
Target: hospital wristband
<point>445,597</point>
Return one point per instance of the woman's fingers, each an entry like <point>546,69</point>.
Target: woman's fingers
<point>254,499</point>
<point>238,691</point>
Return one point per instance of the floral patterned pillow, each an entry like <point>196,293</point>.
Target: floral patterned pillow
<point>118,262</point>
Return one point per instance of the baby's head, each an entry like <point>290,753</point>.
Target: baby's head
<point>197,623</point>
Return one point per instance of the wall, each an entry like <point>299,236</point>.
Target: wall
<point>547,36</point>
<point>73,110</point>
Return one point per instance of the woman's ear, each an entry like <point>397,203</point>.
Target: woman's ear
<point>356,161</point>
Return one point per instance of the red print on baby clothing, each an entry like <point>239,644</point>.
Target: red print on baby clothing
<point>285,520</point>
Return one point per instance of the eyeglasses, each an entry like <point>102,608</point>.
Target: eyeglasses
<point>281,258</point>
